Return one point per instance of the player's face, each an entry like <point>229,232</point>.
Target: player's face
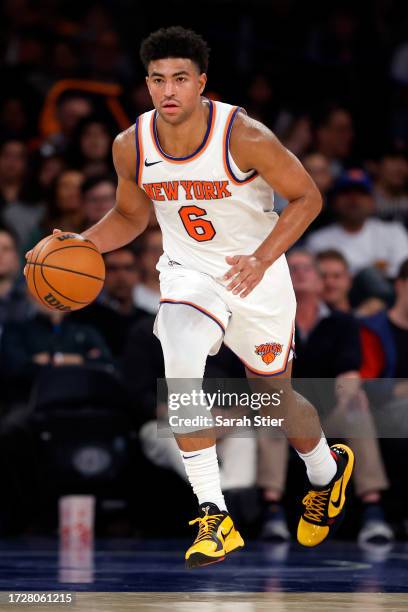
<point>175,86</point>
<point>336,280</point>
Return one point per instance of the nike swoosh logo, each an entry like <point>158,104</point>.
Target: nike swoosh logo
<point>191,456</point>
<point>336,503</point>
<point>147,164</point>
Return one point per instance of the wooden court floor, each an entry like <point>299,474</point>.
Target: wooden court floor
<point>233,602</point>
<point>149,576</point>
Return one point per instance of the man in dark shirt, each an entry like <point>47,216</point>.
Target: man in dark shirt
<point>48,338</point>
<point>327,347</point>
<point>114,313</point>
<point>398,320</point>
<point>14,304</point>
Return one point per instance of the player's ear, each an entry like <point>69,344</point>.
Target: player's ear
<point>202,81</point>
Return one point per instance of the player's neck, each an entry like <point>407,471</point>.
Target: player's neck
<point>183,139</point>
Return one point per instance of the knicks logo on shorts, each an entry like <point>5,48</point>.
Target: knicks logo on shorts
<point>269,351</point>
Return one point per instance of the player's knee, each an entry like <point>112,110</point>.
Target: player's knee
<point>183,364</point>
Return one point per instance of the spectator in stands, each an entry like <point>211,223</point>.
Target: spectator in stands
<point>14,305</point>
<point>114,312</point>
<point>48,338</point>
<point>391,328</point>
<point>319,169</point>
<point>16,209</point>
<point>334,135</point>
<point>337,283</point>
<point>64,207</point>
<point>14,121</point>
<point>390,393</point>
<point>336,279</point>
<point>72,106</point>
<point>391,187</point>
<point>99,196</point>
<point>49,167</point>
<point>327,346</point>
<point>91,146</point>
<point>298,136</point>
<point>146,294</point>
<point>398,318</point>
<point>364,241</point>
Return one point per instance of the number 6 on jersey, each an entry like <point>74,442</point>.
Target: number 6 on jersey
<point>198,228</point>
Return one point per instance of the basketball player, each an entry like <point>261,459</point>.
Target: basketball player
<point>209,170</point>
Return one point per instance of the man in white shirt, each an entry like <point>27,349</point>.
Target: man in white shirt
<point>364,241</point>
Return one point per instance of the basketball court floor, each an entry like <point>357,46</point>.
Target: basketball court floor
<point>149,576</point>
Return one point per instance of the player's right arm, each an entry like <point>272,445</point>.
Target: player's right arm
<point>130,215</point>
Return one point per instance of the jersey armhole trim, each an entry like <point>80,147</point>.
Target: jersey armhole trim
<point>226,153</point>
<point>139,150</point>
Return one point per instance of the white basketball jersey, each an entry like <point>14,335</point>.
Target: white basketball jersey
<point>206,207</point>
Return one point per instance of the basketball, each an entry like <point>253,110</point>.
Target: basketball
<point>65,272</point>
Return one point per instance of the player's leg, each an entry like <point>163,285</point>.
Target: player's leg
<point>188,336</point>
<point>328,468</point>
<point>261,334</point>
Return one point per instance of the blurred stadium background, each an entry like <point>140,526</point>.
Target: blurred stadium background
<point>78,404</point>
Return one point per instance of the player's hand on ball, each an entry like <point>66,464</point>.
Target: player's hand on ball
<point>246,273</point>
<point>28,254</point>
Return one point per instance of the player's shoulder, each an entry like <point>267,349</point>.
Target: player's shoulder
<point>124,139</point>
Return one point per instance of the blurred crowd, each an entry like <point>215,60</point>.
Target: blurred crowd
<point>337,98</point>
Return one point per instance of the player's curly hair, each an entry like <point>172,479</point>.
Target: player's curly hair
<point>175,41</point>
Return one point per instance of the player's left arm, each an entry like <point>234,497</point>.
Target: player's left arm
<point>254,146</point>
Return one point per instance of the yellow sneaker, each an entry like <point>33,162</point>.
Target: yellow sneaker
<point>216,537</point>
<point>324,506</point>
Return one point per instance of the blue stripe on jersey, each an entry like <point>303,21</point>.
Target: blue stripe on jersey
<point>202,145</point>
<point>137,149</point>
<point>227,142</point>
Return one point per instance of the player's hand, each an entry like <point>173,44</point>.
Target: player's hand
<point>28,254</point>
<point>246,273</point>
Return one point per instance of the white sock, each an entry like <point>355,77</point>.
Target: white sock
<point>320,464</point>
<point>203,473</point>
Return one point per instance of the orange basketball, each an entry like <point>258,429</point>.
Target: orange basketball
<point>65,272</point>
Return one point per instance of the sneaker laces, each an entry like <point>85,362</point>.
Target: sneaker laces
<point>315,502</point>
<point>206,524</point>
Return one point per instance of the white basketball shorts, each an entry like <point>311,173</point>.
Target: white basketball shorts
<point>259,328</point>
